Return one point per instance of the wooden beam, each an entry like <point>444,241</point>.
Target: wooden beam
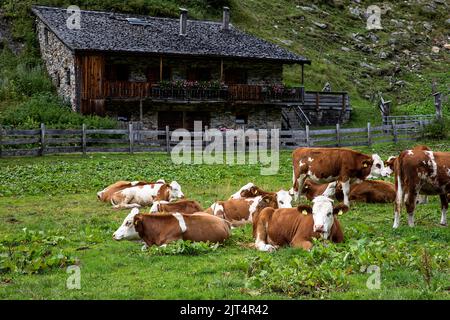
<point>221,70</point>
<point>160,69</point>
<point>303,75</point>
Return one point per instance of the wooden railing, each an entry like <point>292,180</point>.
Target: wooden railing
<point>240,92</point>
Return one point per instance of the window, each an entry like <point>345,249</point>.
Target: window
<point>199,74</point>
<point>67,76</point>
<point>45,35</point>
<point>57,79</point>
<point>241,118</point>
<point>117,72</point>
<point>236,76</point>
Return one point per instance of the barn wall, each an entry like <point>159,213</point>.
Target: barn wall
<point>58,58</point>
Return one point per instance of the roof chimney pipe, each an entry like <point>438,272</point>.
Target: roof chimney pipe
<point>226,19</point>
<point>183,21</point>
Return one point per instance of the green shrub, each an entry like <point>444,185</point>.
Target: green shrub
<point>438,129</point>
<point>181,247</point>
<point>32,252</point>
<point>50,110</point>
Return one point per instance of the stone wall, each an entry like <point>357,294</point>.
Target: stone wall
<point>221,115</point>
<point>59,60</point>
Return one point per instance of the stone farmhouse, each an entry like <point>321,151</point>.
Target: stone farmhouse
<point>171,72</point>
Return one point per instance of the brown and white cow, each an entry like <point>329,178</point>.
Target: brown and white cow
<point>296,227</point>
<point>325,165</point>
<point>181,206</point>
<point>370,191</point>
<point>162,228</point>
<point>250,190</point>
<point>145,195</point>
<point>241,211</point>
<point>106,194</point>
<point>421,172</point>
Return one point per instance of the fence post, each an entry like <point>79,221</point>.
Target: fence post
<point>438,105</point>
<point>42,150</point>
<point>369,136</point>
<point>1,137</point>
<point>338,135</point>
<point>167,140</point>
<point>130,136</point>
<point>308,142</point>
<point>83,138</point>
<point>394,131</point>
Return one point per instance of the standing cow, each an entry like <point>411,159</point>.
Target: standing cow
<point>421,171</point>
<point>325,165</point>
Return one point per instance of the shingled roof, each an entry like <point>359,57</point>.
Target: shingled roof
<point>112,32</point>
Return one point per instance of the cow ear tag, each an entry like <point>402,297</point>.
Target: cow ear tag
<point>254,191</point>
<point>305,213</point>
<point>365,165</point>
<point>340,213</point>
<point>266,200</point>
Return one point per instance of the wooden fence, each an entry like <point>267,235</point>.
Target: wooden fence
<point>44,141</point>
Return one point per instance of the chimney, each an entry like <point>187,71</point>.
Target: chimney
<point>226,19</point>
<point>183,21</point>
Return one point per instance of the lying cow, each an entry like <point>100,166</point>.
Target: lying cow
<point>370,191</point>
<point>145,195</point>
<point>325,165</point>
<point>283,197</point>
<point>296,227</point>
<point>162,228</point>
<point>421,171</point>
<point>241,211</point>
<point>181,206</point>
<point>106,194</point>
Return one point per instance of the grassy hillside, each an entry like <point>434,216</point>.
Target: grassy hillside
<point>397,60</point>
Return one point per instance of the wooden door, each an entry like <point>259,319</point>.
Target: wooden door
<point>190,117</point>
<point>173,119</point>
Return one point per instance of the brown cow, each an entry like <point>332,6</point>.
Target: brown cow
<point>162,228</point>
<point>297,226</point>
<point>325,165</point>
<point>106,194</point>
<point>283,197</point>
<point>421,171</point>
<point>181,206</point>
<point>241,211</point>
<point>370,191</point>
<point>145,195</point>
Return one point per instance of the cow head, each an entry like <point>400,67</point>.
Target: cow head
<point>389,165</point>
<point>284,199</point>
<point>373,168</point>
<point>323,214</point>
<point>245,191</point>
<point>127,230</point>
<point>155,206</point>
<point>175,191</point>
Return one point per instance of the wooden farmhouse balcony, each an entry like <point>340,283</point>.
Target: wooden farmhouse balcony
<point>231,93</point>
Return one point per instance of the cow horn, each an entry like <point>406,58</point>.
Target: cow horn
<point>305,213</point>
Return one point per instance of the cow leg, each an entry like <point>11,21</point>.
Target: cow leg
<point>346,191</point>
<point>261,234</point>
<point>300,183</point>
<point>303,244</point>
<point>126,206</point>
<point>444,208</point>
<point>398,202</point>
<point>410,204</point>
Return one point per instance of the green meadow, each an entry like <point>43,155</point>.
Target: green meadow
<point>51,219</point>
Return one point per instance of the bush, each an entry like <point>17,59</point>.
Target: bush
<point>50,110</point>
<point>181,247</point>
<point>32,252</point>
<point>438,129</point>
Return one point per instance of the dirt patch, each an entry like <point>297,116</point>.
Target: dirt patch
<point>6,37</point>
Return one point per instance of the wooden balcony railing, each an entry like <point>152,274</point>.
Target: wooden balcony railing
<point>251,93</point>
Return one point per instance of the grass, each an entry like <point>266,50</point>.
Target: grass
<point>56,195</point>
